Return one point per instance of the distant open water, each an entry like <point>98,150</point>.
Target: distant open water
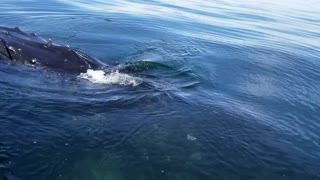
<point>198,90</point>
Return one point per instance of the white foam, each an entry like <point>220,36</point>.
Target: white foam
<point>101,77</point>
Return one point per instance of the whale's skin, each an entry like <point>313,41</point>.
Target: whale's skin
<point>30,49</point>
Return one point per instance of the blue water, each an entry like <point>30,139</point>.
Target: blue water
<point>209,90</point>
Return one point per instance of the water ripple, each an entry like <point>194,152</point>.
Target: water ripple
<point>200,90</point>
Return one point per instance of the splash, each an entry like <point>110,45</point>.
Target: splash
<point>101,77</point>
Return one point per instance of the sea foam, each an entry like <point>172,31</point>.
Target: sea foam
<point>102,77</point>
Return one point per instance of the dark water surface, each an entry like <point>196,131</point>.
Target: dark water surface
<point>199,90</point>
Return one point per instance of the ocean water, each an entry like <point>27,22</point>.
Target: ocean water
<point>199,90</point>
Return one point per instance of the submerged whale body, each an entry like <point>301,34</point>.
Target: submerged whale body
<point>19,46</point>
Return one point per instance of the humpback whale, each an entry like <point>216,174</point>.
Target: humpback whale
<point>30,49</point>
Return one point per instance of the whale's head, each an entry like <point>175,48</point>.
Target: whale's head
<point>19,46</point>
